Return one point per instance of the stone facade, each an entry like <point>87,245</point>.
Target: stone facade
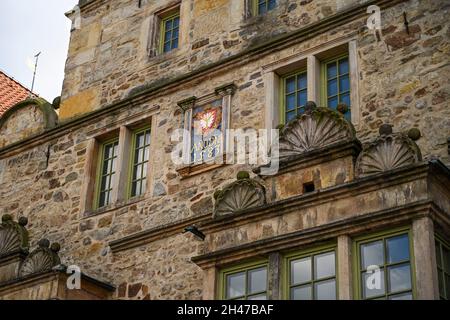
<point>115,79</point>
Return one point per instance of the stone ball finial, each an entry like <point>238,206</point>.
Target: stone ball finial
<point>385,129</point>
<point>23,221</point>
<point>6,217</point>
<point>414,134</point>
<point>342,108</point>
<point>44,243</point>
<point>55,247</point>
<point>243,175</point>
<point>310,106</point>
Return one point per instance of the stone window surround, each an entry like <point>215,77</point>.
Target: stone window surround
<point>225,93</point>
<point>154,36</point>
<point>124,132</point>
<point>311,60</point>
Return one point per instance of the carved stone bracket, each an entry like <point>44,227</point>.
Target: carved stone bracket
<point>388,152</point>
<point>13,235</point>
<point>314,129</point>
<point>42,259</point>
<point>242,194</point>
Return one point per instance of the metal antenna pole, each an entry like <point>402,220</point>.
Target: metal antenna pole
<point>35,68</point>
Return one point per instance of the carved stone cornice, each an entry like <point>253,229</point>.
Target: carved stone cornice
<point>387,152</point>
<point>187,103</point>
<point>244,193</point>
<point>13,235</point>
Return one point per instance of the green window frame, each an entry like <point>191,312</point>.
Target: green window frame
<point>395,262</point>
<point>139,162</point>
<point>244,273</point>
<point>303,277</point>
<point>294,95</point>
<point>263,6</point>
<point>170,30</point>
<point>443,267</point>
<point>106,173</point>
<point>336,83</point>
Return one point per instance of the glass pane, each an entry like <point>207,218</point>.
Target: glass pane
<point>290,102</point>
<point>168,24</point>
<point>144,170</point>
<point>138,184</point>
<point>143,186</point>
<point>257,280</point>
<point>332,88</point>
<point>146,153</point>
<point>345,98</point>
<point>175,33</point>
<point>399,278</point>
<point>302,81</point>
<point>372,254</point>
<point>176,22</point>
<point>133,189</point>
<point>105,168</point>
<point>447,285</point>
<point>139,171</point>
<point>331,70</point>
<point>258,297</point>
<point>147,137</point>
<point>402,296</point>
<point>109,198</point>
<point>324,265</point>
<point>343,66</point>
<point>116,148</point>
<point>140,155</point>
<point>167,47</point>
<point>262,8</point>
<point>446,254</point>
<point>301,271</point>
<point>344,84</point>
<point>290,84</point>
<point>302,97</point>
<point>113,165</point>
<point>105,183</point>
<point>301,293</point>
<point>168,36</point>
<point>325,290</point>
<point>111,183</point>
<point>272,4</point>
<point>101,202</point>
<point>175,44</point>
<point>140,140</point>
<point>108,152</point>
<point>333,102</point>
<point>290,115</point>
<point>438,254</point>
<point>373,284</point>
<point>398,248</point>
<point>236,285</point>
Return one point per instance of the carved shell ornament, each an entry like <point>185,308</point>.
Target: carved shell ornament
<point>242,194</point>
<point>43,259</point>
<point>314,129</point>
<point>388,152</point>
<point>13,235</point>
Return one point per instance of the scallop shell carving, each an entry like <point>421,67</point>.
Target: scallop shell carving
<point>312,130</point>
<point>387,152</point>
<point>40,260</point>
<point>13,236</point>
<point>240,195</point>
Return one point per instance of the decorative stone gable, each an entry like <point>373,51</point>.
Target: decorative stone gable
<point>316,128</point>
<point>388,152</point>
<point>242,194</point>
<point>13,235</point>
<point>26,119</point>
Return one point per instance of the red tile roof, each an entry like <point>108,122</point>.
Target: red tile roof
<point>11,92</point>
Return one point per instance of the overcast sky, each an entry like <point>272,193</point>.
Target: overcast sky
<point>30,26</point>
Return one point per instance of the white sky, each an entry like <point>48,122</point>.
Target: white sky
<point>30,26</point>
